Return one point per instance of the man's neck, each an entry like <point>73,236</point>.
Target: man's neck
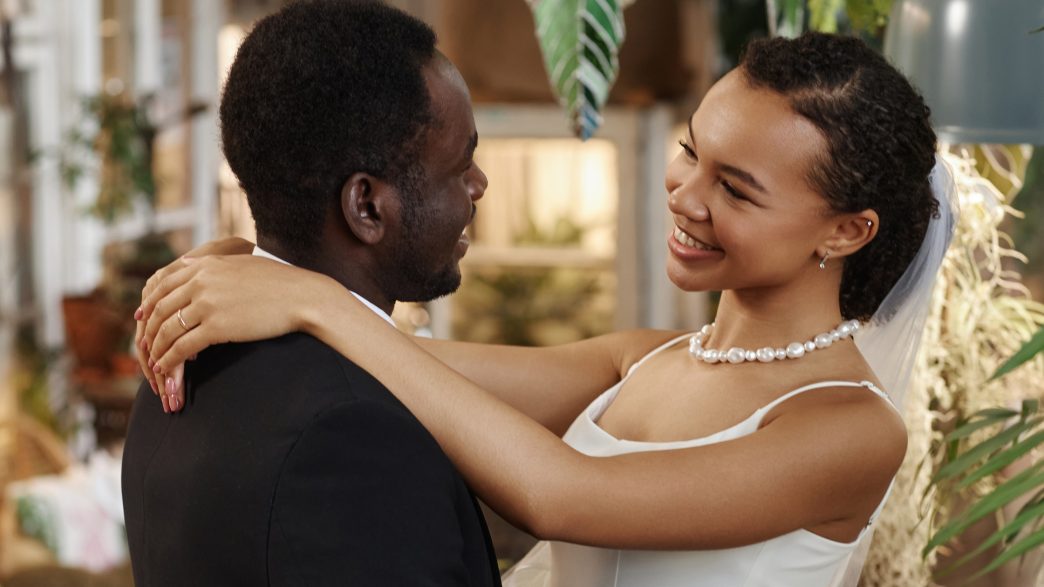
<point>354,276</point>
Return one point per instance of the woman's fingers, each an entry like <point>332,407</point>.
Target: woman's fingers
<point>166,280</point>
<point>185,346</point>
<point>174,386</point>
<point>141,350</point>
<point>175,316</point>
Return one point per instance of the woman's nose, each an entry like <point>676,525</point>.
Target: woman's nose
<point>685,199</point>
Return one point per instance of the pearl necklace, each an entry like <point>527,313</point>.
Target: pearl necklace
<point>794,350</point>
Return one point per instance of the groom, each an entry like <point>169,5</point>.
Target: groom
<point>353,139</point>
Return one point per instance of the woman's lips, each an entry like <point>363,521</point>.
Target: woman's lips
<point>685,246</point>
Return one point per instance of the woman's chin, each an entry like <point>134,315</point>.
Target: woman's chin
<point>688,280</point>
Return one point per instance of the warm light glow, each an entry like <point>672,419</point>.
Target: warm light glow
<point>914,16</point>
<point>548,181</point>
<point>229,39</point>
<point>110,27</point>
<point>956,18</point>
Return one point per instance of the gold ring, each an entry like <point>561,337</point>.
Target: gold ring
<point>182,320</point>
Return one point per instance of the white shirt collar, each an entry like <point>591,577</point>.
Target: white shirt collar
<point>259,252</point>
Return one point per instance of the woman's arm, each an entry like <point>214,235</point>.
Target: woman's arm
<point>550,385</point>
<point>823,460</point>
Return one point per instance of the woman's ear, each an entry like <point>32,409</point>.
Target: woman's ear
<point>365,202</point>
<point>851,233</point>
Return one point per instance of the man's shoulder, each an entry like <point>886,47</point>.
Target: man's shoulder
<point>296,359</point>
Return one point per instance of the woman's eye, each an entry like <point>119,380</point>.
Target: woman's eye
<point>733,192</point>
<point>688,150</point>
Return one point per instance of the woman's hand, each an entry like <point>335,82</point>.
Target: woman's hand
<point>225,246</point>
<point>219,299</point>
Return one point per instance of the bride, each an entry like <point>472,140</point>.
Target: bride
<point>756,451</point>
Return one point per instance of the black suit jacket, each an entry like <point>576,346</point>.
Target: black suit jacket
<point>290,465</point>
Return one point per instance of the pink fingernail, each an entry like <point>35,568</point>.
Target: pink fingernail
<point>138,313</point>
<point>156,369</point>
<point>169,386</point>
<point>174,403</point>
<point>188,259</point>
<point>152,364</point>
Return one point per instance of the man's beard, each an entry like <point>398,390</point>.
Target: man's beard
<point>410,276</point>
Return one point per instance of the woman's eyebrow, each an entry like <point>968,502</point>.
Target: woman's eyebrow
<point>744,177</point>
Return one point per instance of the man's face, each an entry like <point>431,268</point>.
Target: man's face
<point>438,205</point>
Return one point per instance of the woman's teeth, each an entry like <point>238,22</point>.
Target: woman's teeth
<point>688,241</point>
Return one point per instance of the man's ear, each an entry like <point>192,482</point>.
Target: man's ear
<point>366,205</point>
<point>851,233</point>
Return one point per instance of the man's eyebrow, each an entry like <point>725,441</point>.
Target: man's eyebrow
<point>743,176</point>
<point>469,151</point>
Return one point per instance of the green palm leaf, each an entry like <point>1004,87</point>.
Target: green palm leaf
<point>972,457</point>
<point>1027,517</point>
<point>1018,549</point>
<point>1019,485</point>
<point>1018,433</point>
<point>1003,459</point>
<point>1027,352</point>
<point>580,41</point>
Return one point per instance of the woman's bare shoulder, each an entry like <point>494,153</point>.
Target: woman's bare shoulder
<point>630,346</point>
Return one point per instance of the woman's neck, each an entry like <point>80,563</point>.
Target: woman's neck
<point>753,320</point>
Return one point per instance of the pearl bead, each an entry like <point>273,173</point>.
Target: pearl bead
<point>736,355</point>
<point>795,350</point>
<point>768,354</point>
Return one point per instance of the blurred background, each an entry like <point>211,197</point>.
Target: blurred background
<point>110,167</point>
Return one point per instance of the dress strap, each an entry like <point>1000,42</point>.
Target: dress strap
<point>820,385</point>
<point>655,351</point>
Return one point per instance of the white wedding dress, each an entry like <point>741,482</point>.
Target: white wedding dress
<point>797,559</point>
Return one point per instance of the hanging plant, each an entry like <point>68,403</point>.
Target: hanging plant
<point>580,41</point>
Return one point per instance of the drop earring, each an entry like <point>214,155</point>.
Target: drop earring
<point>822,263</point>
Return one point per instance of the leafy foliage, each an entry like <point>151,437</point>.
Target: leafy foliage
<point>1031,349</point>
<point>868,15</point>
<point>1011,436</point>
<point>580,41</point>
<point>119,133</point>
<point>823,14</point>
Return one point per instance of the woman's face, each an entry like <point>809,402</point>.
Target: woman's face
<point>744,214</point>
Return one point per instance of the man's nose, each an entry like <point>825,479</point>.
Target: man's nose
<point>477,186</point>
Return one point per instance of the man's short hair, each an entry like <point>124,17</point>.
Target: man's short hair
<point>320,90</point>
